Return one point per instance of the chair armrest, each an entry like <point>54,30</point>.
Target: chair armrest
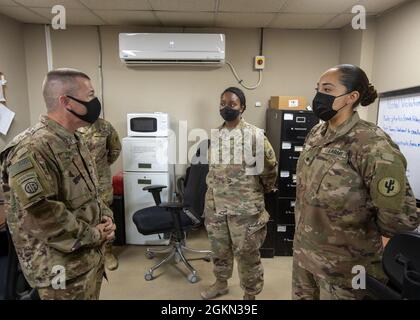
<point>154,187</point>
<point>380,291</point>
<point>155,190</point>
<point>171,205</point>
<point>174,208</point>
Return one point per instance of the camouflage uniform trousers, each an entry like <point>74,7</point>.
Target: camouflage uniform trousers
<point>307,286</point>
<point>240,237</point>
<point>85,287</point>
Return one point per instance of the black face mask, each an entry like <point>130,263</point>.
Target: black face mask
<point>93,108</point>
<point>229,114</point>
<point>322,106</point>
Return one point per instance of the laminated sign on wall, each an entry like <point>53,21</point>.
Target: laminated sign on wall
<point>2,83</point>
<point>6,115</point>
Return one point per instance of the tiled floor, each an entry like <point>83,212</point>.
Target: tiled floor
<point>171,283</point>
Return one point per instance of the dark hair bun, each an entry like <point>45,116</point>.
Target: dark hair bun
<point>369,96</point>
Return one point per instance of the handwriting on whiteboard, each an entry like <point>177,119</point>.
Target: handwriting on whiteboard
<point>400,118</point>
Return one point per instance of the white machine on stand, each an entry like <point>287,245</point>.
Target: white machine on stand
<point>145,163</point>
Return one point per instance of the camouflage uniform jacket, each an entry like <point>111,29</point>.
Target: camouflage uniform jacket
<point>351,189</point>
<point>104,144</point>
<point>231,190</point>
<point>52,202</point>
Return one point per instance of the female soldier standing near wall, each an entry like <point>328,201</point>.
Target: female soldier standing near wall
<point>235,215</point>
<point>351,189</point>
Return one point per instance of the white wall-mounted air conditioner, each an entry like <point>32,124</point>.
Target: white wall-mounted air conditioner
<point>172,48</point>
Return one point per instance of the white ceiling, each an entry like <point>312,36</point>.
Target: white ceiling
<point>286,14</point>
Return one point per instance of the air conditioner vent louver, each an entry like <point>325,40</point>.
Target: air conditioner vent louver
<point>172,49</point>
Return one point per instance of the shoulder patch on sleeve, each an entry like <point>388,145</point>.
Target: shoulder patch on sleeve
<point>20,166</point>
<point>28,181</point>
<point>30,185</point>
<point>389,187</point>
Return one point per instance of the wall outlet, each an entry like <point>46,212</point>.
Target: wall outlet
<point>259,62</point>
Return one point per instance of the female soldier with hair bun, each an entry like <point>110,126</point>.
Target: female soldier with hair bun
<point>351,190</point>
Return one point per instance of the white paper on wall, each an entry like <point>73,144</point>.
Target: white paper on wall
<point>2,83</point>
<point>6,117</point>
<point>2,99</point>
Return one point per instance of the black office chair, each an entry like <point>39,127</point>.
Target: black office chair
<point>4,259</point>
<point>401,263</point>
<point>177,217</point>
<point>14,284</point>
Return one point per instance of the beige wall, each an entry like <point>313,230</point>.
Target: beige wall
<point>295,60</point>
<point>36,68</point>
<point>389,51</point>
<point>351,49</point>
<point>358,47</point>
<point>367,57</point>
<point>77,47</point>
<point>350,45</point>
<point>397,49</point>
<point>13,66</point>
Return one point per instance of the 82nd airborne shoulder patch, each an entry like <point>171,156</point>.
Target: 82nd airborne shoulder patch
<point>30,184</point>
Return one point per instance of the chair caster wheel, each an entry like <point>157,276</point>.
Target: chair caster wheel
<point>192,278</point>
<point>207,259</point>
<point>149,255</point>
<point>148,277</point>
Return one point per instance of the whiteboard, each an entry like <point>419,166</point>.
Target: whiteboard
<point>399,116</point>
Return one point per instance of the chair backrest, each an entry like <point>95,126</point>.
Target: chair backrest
<point>195,181</point>
<point>16,286</point>
<point>4,261</point>
<point>401,259</point>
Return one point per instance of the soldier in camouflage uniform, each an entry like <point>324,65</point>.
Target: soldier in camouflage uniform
<point>105,147</point>
<point>57,220</point>
<point>235,215</point>
<point>351,190</point>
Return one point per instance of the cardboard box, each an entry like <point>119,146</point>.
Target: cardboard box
<point>288,102</point>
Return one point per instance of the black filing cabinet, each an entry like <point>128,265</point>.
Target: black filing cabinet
<point>284,239</point>
<point>268,248</point>
<point>285,210</point>
<point>286,131</point>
